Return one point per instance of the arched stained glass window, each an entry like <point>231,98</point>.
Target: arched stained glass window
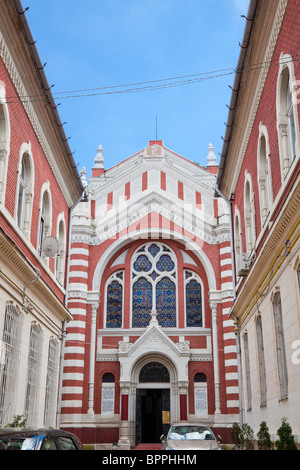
<point>153,249</point>
<point>165,264</point>
<point>108,378</point>
<point>154,372</point>
<point>114,301</point>
<point>141,303</point>
<point>142,264</point>
<point>154,285</point>
<point>166,302</point>
<point>193,300</point>
<point>200,377</point>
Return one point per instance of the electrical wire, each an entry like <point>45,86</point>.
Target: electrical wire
<point>149,85</point>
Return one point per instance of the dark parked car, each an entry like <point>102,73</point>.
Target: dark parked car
<point>42,439</point>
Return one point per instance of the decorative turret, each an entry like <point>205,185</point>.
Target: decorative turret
<point>212,164</point>
<point>83,174</point>
<point>98,168</point>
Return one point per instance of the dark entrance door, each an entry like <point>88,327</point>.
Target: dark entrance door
<point>152,412</point>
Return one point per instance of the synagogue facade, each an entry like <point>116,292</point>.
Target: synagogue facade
<point>150,289</point>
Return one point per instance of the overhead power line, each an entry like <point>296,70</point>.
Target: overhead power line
<point>149,85</point>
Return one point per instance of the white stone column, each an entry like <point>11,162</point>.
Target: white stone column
<point>124,430</point>
<point>213,306</point>
<point>95,305</point>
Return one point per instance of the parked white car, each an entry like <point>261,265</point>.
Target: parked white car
<point>190,436</point>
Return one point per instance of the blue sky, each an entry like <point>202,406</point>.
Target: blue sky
<point>103,43</point>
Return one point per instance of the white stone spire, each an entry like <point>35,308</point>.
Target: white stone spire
<point>99,160</point>
<point>211,157</point>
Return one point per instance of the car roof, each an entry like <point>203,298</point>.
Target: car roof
<point>33,432</point>
<point>185,423</point>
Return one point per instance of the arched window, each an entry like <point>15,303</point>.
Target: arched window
<point>154,372</point>
<point>45,219</point>
<point>114,300</point>
<point>61,256</point>
<point>249,216</point>
<point>280,346</point>
<point>25,194</point>
<point>193,300</point>
<point>4,141</point>
<point>287,114</point>
<point>237,235</point>
<point>264,175</point>
<point>154,285</point>
<point>108,394</point>
<point>200,394</point>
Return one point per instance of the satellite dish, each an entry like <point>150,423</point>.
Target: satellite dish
<point>50,247</point>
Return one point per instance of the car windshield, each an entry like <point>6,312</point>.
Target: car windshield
<point>190,432</point>
<point>17,443</point>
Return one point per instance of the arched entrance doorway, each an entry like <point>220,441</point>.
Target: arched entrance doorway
<point>152,402</point>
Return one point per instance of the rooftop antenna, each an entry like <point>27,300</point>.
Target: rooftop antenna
<point>156,127</point>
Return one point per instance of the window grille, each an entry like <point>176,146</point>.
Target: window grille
<point>10,351</point>
<point>247,372</point>
<point>280,347</point>
<point>51,384</point>
<point>33,378</point>
<point>261,362</point>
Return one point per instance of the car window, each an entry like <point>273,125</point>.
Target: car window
<point>49,444</point>
<point>17,443</point>
<point>190,432</point>
<point>65,443</point>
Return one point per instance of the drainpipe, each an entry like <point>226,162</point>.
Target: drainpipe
<point>83,198</point>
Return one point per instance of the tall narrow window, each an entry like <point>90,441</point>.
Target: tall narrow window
<point>33,377</point>
<point>44,223</point>
<point>261,362</point>
<point>298,278</point>
<point>200,391</point>
<point>280,347</point>
<point>10,351</point>
<point>264,178</point>
<point>154,285</point>
<point>25,195</point>
<point>166,302</point>
<point>249,217</point>
<point>247,372</point>
<point>61,256</point>
<point>114,300</point>
<point>21,201</point>
<point>287,114</point>
<point>193,300</point>
<point>108,394</point>
<point>291,123</point>
<point>237,236</point>
<point>4,142</point>
<point>51,384</point>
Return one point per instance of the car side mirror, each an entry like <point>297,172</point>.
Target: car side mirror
<point>219,439</point>
<point>162,438</point>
